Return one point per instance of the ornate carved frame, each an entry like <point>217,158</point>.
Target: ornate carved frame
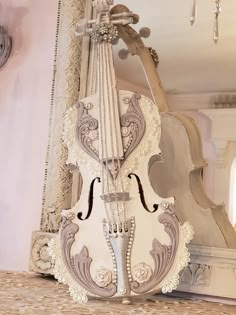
<point>68,85</point>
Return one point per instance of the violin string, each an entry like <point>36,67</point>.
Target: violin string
<point>101,131</point>
<point>109,75</point>
<point>105,140</point>
<point>122,189</point>
<point>119,170</point>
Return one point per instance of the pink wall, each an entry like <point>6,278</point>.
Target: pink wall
<point>25,88</point>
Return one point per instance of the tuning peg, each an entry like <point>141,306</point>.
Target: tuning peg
<point>81,27</point>
<point>145,32</point>
<point>135,18</point>
<point>123,53</point>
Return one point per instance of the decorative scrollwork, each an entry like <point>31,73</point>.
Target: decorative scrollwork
<point>86,127</point>
<point>132,126</point>
<point>104,33</point>
<point>132,123</point>
<point>142,273</point>
<point>40,261</point>
<point>65,92</point>
<point>196,274</point>
<point>103,277</point>
<point>163,255</point>
<point>79,265</point>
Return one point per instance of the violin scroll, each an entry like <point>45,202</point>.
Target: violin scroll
<point>102,5</point>
<point>104,19</point>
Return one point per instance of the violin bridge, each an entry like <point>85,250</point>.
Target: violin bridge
<point>121,196</point>
<point>120,238</point>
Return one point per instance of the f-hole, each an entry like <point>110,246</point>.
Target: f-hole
<point>90,201</point>
<point>141,193</point>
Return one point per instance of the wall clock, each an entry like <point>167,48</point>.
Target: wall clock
<point>5,46</point>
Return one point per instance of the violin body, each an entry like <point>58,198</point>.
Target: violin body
<point>144,259</point>
<point>182,175</point>
<point>182,163</point>
<point>120,239</point>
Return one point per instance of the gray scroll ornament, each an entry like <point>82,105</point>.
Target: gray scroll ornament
<point>132,120</point>
<point>79,265</point>
<point>86,124</point>
<point>163,255</point>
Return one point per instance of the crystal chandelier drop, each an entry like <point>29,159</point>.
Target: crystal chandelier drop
<point>216,19</point>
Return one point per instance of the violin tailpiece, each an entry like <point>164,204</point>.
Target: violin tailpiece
<point>120,238</point>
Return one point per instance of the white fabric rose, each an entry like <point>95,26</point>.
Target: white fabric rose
<point>103,277</point>
<point>142,273</point>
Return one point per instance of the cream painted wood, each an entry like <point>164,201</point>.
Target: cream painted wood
<point>179,172</point>
<point>194,185</point>
<point>199,277</point>
<point>136,47</point>
<point>212,272</point>
<point>224,234</point>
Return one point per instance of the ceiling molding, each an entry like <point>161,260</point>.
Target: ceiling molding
<point>185,101</point>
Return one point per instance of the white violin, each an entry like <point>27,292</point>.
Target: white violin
<point>121,239</point>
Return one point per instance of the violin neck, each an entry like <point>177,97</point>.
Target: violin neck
<point>104,30</point>
<point>110,140</point>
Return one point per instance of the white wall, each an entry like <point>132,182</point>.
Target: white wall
<point>232,175</point>
<point>25,88</point>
